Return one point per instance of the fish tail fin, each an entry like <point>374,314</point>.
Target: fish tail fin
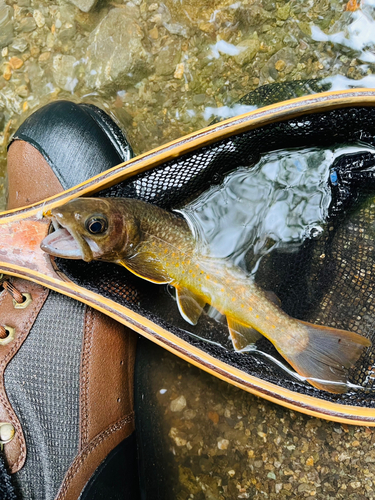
<point>327,356</point>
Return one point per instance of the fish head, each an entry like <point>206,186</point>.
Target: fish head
<point>90,228</point>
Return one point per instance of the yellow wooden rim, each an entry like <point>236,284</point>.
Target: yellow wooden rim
<point>270,114</point>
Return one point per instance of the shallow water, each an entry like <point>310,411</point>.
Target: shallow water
<point>169,69</point>
<point>276,204</point>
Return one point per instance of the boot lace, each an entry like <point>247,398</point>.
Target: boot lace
<point>15,294</point>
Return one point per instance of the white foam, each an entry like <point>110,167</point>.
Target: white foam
<point>358,36</point>
<point>223,47</point>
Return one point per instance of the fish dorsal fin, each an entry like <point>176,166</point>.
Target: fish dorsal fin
<point>189,304</point>
<point>147,268</point>
<point>242,335</point>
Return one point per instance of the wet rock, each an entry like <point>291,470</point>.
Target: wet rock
<point>84,5</point>
<point>19,45</point>
<point>305,488</point>
<point>252,16</point>
<point>283,12</point>
<point>22,91</point>
<point>190,414</point>
<point>115,53</point>
<point>66,25</point>
<point>269,4</point>
<point>288,64</point>
<point>178,404</point>
<point>290,40</point>
<point>178,437</point>
<point>6,24</point>
<point>223,444</point>
<point>248,50</point>
<point>7,72</point>
<point>40,20</point>
<point>66,34</point>
<point>16,62</point>
<point>26,25</point>
<point>188,479</point>
<point>167,59</point>
<point>64,72</point>
<point>179,73</point>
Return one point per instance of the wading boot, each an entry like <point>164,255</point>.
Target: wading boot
<point>66,370</point>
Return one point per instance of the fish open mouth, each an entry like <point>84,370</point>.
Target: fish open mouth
<point>61,243</point>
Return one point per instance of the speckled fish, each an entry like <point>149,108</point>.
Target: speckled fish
<point>159,246</point>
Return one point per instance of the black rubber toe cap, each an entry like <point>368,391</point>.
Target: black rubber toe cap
<point>77,140</point>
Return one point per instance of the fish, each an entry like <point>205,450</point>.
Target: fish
<point>159,246</point>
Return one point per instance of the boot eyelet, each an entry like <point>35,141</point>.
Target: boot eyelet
<point>11,334</point>
<point>7,432</point>
<point>25,303</point>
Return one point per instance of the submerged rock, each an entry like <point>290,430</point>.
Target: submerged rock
<point>284,60</point>
<point>6,24</point>
<point>115,53</point>
<point>178,404</point>
<point>64,72</point>
<point>248,50</point>
<point>84,5</point>
<point>167,59</point>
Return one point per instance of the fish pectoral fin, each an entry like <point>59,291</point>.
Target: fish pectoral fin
<point>189,304</point>
<point>146,268</point>
<point>272,297</point>
<point>242,335</point>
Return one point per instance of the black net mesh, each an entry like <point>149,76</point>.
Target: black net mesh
<point>330,280</point>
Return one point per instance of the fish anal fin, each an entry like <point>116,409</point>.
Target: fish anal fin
<point>242,335</point>
<point>189,304</point>
<point>327,356</point>
<point>147,268</point>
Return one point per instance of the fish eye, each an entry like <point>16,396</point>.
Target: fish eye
<point>96,225</point>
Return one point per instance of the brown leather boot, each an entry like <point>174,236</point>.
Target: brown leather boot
<point>66,370</point>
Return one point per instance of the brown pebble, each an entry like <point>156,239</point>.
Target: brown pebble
<point>310,461</point>
<point>118,102</point>
<point>7,72</point>
<point>280,65</point>
<point>154,33</point>
<point>179,72</point>
<point>353,5</point>
<point>213,416</point>
<point>16,62</point>
<point>44,57</point>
